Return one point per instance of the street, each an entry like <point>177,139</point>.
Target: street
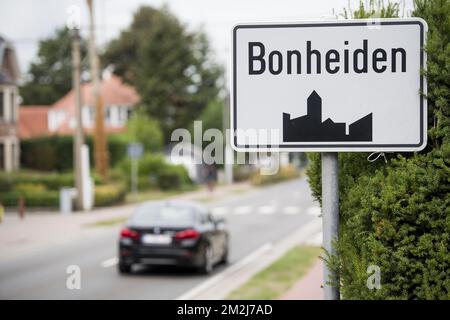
<point>255,218</point>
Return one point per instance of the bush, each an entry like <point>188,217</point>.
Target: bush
<point>32,199</point>
<point>51,181</point>
<point>396,215</point>
<point>110,194</point>
<point>284,173</point>
<point>155,172</point>
<point>55,153</point>
<point>173,177</point>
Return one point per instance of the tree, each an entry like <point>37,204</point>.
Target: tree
<point>395,215</point>
<point>50,74</point>
<point>171,68</point>
<point>145,130</point>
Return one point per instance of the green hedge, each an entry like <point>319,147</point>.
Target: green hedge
<point>284,173</point>
<point>51,181</point>
<point>107,195</point>
<point>35,199</point>
<point>155,172</point>
<point>55,153</point>
<point>396,215</point>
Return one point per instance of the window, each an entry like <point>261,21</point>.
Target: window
<point>13,108</point>
<point>2,108</point>
<point>2,156</point>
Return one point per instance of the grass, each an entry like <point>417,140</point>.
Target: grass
<point>278,278</point>
<point>107,222</point>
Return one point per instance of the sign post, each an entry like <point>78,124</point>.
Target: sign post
<point>329,86</point>
<point>330,216</point>
<point>135,151</point>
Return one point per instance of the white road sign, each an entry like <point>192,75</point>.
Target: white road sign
<point>351,85</point>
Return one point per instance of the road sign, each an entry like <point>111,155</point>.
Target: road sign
<point>135,150</point>
<point>351,85</point>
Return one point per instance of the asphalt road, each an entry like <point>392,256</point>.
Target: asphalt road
<point>254,218</point>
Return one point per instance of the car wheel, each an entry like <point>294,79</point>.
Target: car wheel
<point>124,268</point>
<point>207,266</point>
<point>224,259</point>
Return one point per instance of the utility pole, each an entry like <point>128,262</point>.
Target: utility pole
<point>330,218</point>
<point>100,147</point>
<point>78,140</point>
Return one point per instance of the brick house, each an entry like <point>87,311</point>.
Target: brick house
<point>118,98</point>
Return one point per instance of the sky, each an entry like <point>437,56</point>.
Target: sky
<point>25,22</point>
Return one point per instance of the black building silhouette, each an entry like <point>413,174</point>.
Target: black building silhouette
<point>311,128</point>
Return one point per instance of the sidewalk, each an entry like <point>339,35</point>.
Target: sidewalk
<point>309,287</point>
<point>39,229</point>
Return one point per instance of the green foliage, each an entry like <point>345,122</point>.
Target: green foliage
<point>155,172</point>
<point>55,153</point>
<point>396,215</point>
<point>375,9</point>
<point>24,179</point>
<point>171,68</point>
<point>32,199</point>
<point>145,130</point>
<point>109,194</point>
<point>50,74</point>
<point>284,173</point>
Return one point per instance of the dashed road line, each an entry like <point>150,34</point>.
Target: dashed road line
<point>266,210</point>
<point>242,210</point>
<point>109,262</point>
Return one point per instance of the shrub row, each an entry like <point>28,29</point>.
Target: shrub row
<point>35,195</point>
<point>155,172</point>
<point>55,153</point>
<point>284,173</point>
<point>109,194</point>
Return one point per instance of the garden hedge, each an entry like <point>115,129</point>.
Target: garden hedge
<point>396,215</point>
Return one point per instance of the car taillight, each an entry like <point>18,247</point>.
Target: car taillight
<point>128,233</point>
<point>187,234</point>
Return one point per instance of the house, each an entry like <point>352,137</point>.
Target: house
<point>33,121</point>
<point>118,99</point>
<point>9,77</point>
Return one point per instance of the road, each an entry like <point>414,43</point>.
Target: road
<point>254,218</point>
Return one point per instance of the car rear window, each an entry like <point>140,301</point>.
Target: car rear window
<point>163,215</point>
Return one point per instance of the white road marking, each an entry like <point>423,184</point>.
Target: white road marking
<point>290,210</point>
<point>242,210</point>
<point>266,210</point>
<point>230,270</point>
<point>220,211</point>
<point>314,211</point>
<point>109,262</point>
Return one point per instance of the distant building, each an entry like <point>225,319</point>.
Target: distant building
<point>33,121</point>
<point>311,128</point>
<point>9,77</point>
<point>118,99</point>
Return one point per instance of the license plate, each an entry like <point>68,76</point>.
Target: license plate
<point>156,239</point>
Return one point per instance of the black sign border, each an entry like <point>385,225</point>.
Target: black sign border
<point>328,146</point>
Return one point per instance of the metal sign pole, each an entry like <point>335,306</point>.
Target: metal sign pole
<point>330,216</point>
<point>134,175</point>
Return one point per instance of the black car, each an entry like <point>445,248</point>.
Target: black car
<point>173,233</point>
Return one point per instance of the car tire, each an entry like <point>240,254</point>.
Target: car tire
<point>225,255</point>
<point>124,268</point>
<point>207,265</point>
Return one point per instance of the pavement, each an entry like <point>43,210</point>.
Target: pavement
<point>309,287</point>
<point>36,252</point>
